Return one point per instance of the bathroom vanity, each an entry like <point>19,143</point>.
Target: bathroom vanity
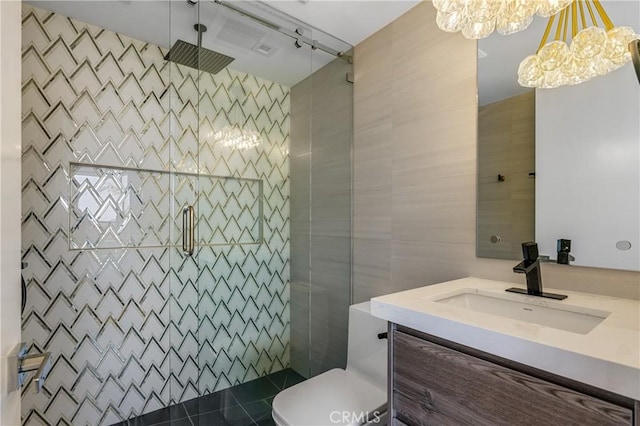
<point>467,352</point>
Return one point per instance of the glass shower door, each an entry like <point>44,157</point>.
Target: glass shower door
<point>243,214</point>
<point>230,136</point>
<point>261,151</point>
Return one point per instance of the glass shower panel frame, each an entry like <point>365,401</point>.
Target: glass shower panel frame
<point>330,294</point>
<point>256,161</point>
<point>229,143</point>
<point>300,178</point>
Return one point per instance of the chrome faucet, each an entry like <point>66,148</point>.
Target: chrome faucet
<point>531,267</point>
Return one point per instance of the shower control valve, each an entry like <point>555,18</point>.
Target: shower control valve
<point>39,363</point>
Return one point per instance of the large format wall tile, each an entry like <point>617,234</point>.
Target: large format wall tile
<point>414,156</point>
<point>132,330</point>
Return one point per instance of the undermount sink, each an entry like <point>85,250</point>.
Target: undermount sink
<point>557,315</point>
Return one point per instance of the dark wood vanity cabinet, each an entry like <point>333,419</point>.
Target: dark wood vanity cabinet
<point>439,383</point>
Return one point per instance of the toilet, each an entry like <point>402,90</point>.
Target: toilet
<point>354,396</point>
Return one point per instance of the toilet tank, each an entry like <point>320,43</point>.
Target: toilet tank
<point>367,354</point>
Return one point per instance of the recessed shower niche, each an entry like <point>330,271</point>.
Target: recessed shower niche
<point>115,207</point>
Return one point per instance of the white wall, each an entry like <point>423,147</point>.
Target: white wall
<point>588,169</point>
<point>10,98</point>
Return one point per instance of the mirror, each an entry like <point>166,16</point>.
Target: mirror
<point>559,163</point>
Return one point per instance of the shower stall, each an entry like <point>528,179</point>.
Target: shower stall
<point>186,206</point>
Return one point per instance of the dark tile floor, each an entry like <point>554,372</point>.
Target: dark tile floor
<point>248,404</point>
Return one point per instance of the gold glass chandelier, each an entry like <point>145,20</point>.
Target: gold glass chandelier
<point>578,52</point>
<point>479,18</point>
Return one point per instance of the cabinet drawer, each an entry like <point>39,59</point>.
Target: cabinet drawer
<point>435,385</point>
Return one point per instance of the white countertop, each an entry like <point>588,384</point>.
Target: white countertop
<point>607,357</point>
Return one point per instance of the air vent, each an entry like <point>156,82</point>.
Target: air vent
<point>240,34</point>
<point>264,49</point>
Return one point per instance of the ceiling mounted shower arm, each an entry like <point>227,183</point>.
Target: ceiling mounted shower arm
<point>200,28</point>
<point>299,39</point>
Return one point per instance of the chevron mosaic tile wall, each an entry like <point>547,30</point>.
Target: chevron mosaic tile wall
<point>130,329</point>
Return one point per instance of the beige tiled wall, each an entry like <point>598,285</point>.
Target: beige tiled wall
<point>415,119</point>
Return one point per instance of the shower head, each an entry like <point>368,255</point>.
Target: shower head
<point>198,57</point>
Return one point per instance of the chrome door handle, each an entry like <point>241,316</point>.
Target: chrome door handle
<point>188,242</point>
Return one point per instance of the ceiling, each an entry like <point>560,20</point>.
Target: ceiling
<point>498,71</point>
<point>337,24</point>
<point>349,20</point>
